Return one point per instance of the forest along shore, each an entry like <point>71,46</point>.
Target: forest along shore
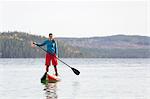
<point>18,45</point>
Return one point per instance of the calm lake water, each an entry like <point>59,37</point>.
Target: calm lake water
<point>99,79</point>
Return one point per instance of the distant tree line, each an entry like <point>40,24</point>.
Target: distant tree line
<point>18,45</point>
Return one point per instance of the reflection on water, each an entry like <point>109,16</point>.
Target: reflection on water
<point>50,91</point>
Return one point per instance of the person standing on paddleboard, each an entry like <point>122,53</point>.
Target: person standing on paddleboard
<point>52,53</point>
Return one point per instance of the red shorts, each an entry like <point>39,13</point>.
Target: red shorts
<point>50,58</point>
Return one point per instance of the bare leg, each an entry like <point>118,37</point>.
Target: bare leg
<point>47,68</point>
<point>55,68</point>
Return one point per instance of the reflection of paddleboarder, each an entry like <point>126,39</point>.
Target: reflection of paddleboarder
<point>51,48</point>
<point>50,89</point>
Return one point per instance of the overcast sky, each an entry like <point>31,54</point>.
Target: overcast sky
<point>76,18</point>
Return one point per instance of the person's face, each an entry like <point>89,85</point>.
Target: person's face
<point>50,36</point>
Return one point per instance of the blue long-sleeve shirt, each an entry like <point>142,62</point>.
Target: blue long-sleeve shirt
<point>51,46</point>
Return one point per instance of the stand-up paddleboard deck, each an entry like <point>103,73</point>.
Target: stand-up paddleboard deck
<point>48,78</point>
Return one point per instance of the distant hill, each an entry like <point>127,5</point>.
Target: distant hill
<point>117,46</point>
<point>116,41</point>
<point>16,44</point>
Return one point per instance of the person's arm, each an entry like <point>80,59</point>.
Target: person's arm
<point>42,44</point>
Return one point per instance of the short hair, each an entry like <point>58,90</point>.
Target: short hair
<point>50,34</point>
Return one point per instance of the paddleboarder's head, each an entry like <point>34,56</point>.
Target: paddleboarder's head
<point>50,36</point>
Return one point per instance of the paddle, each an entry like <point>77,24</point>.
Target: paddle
<point>44,76</point>
<point>77,72</point>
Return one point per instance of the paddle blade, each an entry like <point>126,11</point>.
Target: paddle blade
<point>44,76</point>
<point>75,71</point>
